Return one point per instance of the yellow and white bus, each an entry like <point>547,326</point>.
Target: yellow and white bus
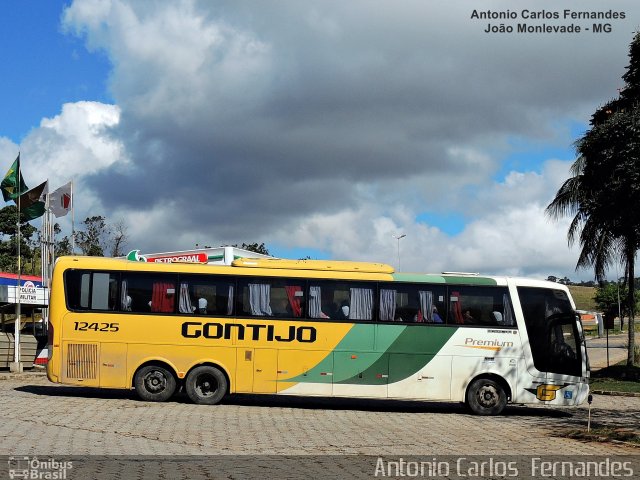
<point>310,327</point>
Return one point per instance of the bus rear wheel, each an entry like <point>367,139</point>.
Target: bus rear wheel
<point>486,397</point>
<point>206,385</point>
<point>154,383</point>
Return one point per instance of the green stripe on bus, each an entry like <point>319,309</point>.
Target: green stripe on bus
<point>358,341</point>
<point>354,362</point>
<point>414,340</point>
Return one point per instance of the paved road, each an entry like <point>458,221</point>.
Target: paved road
<point>597,349</point>
<point>39,417</point>
<point>339,438</point>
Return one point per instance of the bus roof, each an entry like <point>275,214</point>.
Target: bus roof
<point>318,265</point>
<point>306,268</point>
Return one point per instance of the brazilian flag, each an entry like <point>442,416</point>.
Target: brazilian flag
<point>11,186</point>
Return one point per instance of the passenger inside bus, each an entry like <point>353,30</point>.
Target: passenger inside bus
<point>435,315</point>
<point>202,306</point>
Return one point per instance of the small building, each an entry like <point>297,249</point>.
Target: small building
<point>592,321</point>
<point>210,255</point>
<point>32,297</point>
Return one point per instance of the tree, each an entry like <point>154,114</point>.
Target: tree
<point>611,299</point>
<point>9,244</point>
<point>98,237</point>
<point>92,240</point>
<point>603,193</point>
<point>118,239</point>
<point>62,246</point>
<point>255,247</point>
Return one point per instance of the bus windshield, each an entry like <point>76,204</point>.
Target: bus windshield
<point>552,329</point>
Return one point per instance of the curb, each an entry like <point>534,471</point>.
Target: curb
<point>617,394</point>
<point>23,375</point>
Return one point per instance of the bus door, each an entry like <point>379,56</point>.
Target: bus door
<point>256,370</point>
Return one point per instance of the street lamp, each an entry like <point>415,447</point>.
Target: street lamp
<point>398,237</point>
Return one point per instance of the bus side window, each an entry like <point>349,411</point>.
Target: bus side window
<point>206,295</point>
<point>480,306</point>
<point>148,292</point>
<point>341,300</point>
<point>91,290</point>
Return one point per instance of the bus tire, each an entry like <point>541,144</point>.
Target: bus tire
<point>486,397</point>
<point>206,385</point>
<point>154,383</point>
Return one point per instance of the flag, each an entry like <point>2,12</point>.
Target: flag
<point>32,202</point>
<point>10,186</point>
<point>60,200</point>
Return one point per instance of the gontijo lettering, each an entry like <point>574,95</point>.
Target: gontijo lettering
<point>216,330</point>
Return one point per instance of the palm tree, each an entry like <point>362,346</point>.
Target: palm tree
<point>603,195</point>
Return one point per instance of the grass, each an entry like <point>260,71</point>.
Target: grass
<point>616,378</point>
<point>606,434</point>
<point>583,296</point>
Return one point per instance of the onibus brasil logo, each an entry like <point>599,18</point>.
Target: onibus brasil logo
<point>34,468</point>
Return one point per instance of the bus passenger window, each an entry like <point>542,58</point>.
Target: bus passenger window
<point>286,299</point>
<point>148,292</point>
<point>481,306</point>
<point>341,300</point>
<point>91,290</point>
<point>206,295</point>
<point>412,303</point>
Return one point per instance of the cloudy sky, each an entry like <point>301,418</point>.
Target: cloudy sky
<point>320,128</point>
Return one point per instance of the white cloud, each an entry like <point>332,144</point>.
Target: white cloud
<point>328,125</point>
<point>74,145</point>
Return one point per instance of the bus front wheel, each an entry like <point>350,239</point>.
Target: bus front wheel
<point>486,397</point>
<point>154,383</point>
<point>206,385</point>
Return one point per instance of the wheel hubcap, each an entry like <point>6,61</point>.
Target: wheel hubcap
<point>488,396</point>
<point>206,386</point>
<point>155,382</point>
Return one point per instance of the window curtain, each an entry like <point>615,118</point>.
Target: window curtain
<point>456,308</point>
<point>315,307</point>
<point>361,305</point>
<point>387,305</point>
<point>162,297</point>
<point>259,299</point>
<point>230,301</point>
<point>294,301</point>
<point>125,299</point>
<point>184,304</point>
<point>426,306</point>
<point>507,315</point>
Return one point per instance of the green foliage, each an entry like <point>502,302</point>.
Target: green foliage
<point>98,238</point>
<point>92,240</point>
<point>95,238</point>
<point>603,193</point>
<point>9,244</point>
<point>607,297</point>
<point>255,247</point>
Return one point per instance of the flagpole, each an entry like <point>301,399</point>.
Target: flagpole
<point>46,260</point>
<point>17,366</point>
<point>73,229</point>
